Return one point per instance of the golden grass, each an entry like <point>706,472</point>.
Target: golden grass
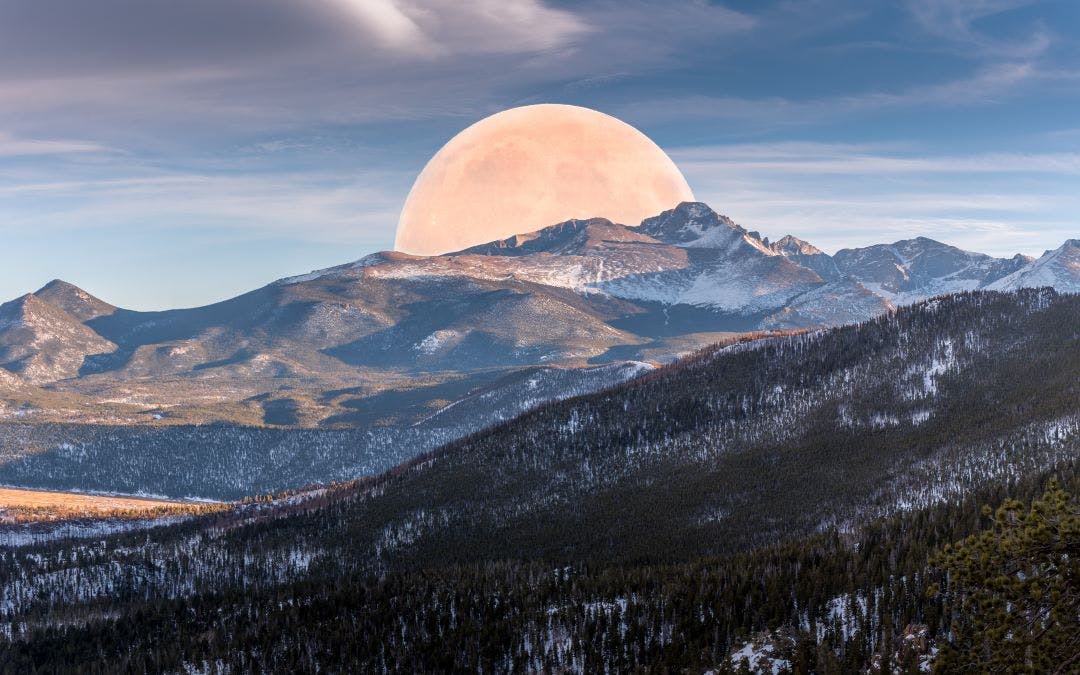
<point>23,506</point>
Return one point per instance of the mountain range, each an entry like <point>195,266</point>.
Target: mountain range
<point>315,349</point>
<point>774,499</point>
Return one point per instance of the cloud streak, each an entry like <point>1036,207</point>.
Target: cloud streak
<point>439,29</point>
<point>12,146</point>
<point>276,63</point>
<point>357,210</point>
<point>991,85</point>
<point>862,160</point>
<point>839,195</point>
<point>956,21</point>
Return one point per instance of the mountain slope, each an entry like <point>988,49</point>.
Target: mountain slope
<point>841,423</point>
<point>739,446</point>
<point>371,434</point>
<point>43,343</point>
<point>11,385</point>
<point>915,269</point>
<point>915,416</point>
<point>74,300</point>
<point>1059,269</point>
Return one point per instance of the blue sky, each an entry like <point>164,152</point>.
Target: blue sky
<point>165,154</point>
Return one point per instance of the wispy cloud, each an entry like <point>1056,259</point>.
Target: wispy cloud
<point>990,85</point>
<point>846,194</point>
<point>12,146</point>
<point>956,22</point>
<point>323,207</point>
<point>267,65</point>
<point>438,28</point>
<point>864,159</point>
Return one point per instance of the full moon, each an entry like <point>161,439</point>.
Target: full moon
<point>526,168</point>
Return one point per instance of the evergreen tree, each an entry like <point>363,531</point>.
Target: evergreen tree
<point>1016,590</point>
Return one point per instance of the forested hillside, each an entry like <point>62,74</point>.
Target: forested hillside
<point>228,461</point>
<point>830,603</point>
<point>796,484</point>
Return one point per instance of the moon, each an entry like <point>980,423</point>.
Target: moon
<point>526,168</point>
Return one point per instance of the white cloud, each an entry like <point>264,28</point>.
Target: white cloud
<point>225,64</point>
<point>438,28</point>
<point>388,24</point>
<point>12,146</point>
<point>842,195</point>
<point>956,21</point>
<point>312,206</point>
<point>856,159</point>
<point>989,85</point>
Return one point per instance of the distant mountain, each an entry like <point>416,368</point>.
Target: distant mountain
<point>73,300</point>
<point>915,269</point>
<point>807,255</point>
<point>578,293</point>
<point>691,256</point>
<point>43,343</point>
<point>1059,268</point>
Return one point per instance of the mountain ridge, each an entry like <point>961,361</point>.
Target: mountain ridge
<point>576,293</point>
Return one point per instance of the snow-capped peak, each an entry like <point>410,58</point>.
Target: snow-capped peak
<point>695,225</point>
<point>1059,268</point>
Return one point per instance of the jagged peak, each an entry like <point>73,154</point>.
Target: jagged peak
<point>29,303</point>
<point>1066,251</point>
<point>696,225</point>
<point>698,210</point>
<point>23,303</point>
<point>688,212</point>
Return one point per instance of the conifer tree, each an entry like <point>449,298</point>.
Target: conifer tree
<point>1015,589</point>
